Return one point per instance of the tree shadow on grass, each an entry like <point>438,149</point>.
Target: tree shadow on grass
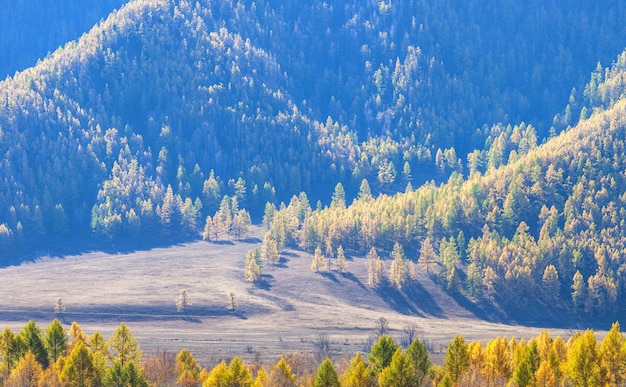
<point>330,276</point>
<point>265,283</point>
<point>354,279</point>
<point>413,299</point>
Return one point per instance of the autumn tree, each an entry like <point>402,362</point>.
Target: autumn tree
<point>613,353</point>
<point>100,351</point>
<point>318,262</point>
<point>357,374</point>
<point>584,363</point>
<point>269,249</point>
<point>217,376</point>
<point>398,268</point>
<point>253,265</point>
<point>400,372</point>
<point>281,375</point>
<point>456,361</point>
<point>27,372</point>
<point>79,370</point>
<point>375,268</point>
<point>238,373</point>
<point>342,262</point>
<point>12,348</point>
<point>427,256</point>
<point>124,346</point>
<point>551,284</point>
<point>232,304</point>
<point>578,291</point>
<point>185,362</point>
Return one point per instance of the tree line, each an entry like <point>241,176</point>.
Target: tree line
<point>56,357</point>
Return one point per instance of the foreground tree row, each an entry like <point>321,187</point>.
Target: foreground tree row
<point>54,357</point>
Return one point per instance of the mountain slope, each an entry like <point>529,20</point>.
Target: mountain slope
<point>139,128</point>
<point>545,229</point>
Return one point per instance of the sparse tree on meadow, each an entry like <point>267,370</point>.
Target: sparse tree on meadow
<point>428,257</point>
<point>342,262</point>
<point>232,302</point>
<point>269,249</point>
<point>319,262</point>
<point>182,301</point>
<point>375,268</point>
<point>397,270</point>
<point>59,306</point>
<point>252,268</point>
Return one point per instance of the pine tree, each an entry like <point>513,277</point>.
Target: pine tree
<point>232,302</point>
<point>326,375</point>
<point>100,351</point>
<point>381,353</point>
<point>12,348</point>
<point>125,348</point>
<point>238,374</point>
<point>79,370</point>
<point>419,357</point>
<point>551,284</point>
<point>186,362</point>
<point>456,362</point>
<point>400,372</point>
<point>55,340</point>
<point>31,334</point>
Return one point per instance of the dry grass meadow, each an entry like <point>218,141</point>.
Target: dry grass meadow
<point>287,313</point>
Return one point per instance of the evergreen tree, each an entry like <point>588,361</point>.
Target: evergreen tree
<point>55,340</point>
<point>238,374</point>
<point>400,372</point>
<point>419,357</point>
<point>326,375</point>
<point>79,370</point>
<point>456,362</point>
<point>381,353</point>
<point>31,335</point>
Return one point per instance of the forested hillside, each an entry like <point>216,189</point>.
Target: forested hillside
<point>545,229</point>
<point>170,110</point>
